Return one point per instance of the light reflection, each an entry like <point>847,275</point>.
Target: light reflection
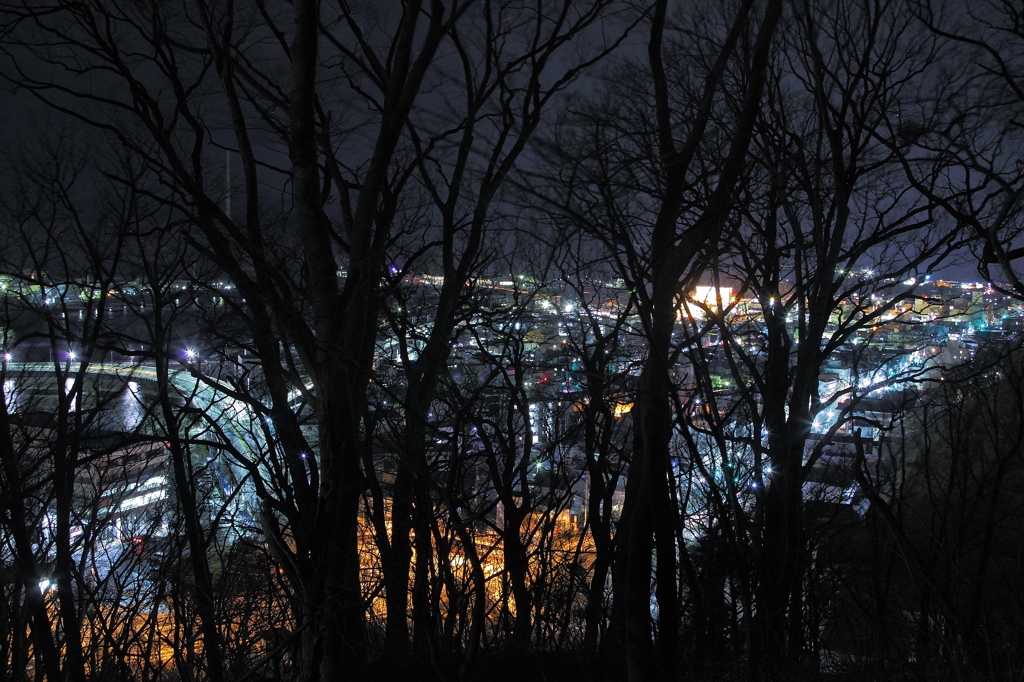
<point>11,395</point>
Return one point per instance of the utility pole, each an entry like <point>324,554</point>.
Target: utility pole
<point>227,183</point>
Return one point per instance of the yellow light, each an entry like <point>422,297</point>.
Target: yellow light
<point>709,295</point>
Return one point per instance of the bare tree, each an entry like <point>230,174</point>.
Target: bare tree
<point>820,249</point>
<point>947,505</point>
<point>959,146</point>
<point>646,202</point>
<point>79,482</point>
<point>357,127</point>
<point>513,62</point>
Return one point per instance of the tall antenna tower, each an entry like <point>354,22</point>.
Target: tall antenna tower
<point>227,183</point>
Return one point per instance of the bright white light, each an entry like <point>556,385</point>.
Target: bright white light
<point>72,355</point>
<point>152,490</point>
<point>709,295</point>
<point>7,357</point>
<point>190,353</point>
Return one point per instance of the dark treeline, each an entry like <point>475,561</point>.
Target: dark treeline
<point>485,340</point>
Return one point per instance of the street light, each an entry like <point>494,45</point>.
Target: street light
<point>190,354</point>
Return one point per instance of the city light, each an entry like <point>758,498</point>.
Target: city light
<point>673,214</point>
<point>709,295</point>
